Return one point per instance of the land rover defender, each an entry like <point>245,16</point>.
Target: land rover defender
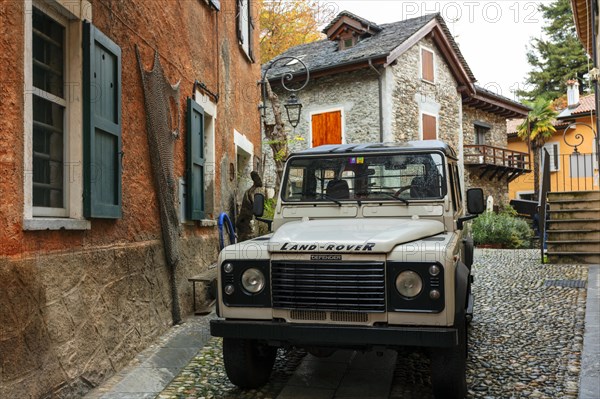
<point>367,252</point>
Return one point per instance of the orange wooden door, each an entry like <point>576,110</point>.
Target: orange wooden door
<point>327,128</point>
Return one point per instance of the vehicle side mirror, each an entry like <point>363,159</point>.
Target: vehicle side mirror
<point>475,201</point>
<point>258,208</point>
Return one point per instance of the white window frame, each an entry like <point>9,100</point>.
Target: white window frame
<point>325,111</point>
<point>71,216</point>
<point>554,167</point>
<point>437,124</point>
<point>210,163</point>
<point>521,193</point>
<point>426,48</point>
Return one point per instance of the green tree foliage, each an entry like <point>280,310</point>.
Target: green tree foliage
<point>557,57</point>
<point>535,130</point>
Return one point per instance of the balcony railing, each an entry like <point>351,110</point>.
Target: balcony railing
<point>497,161</point>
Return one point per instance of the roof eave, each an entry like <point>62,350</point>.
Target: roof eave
<point>496,105</point>
<point>583,19</point>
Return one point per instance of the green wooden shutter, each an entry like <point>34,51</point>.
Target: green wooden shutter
<point>102,147</point>
<point>195,161</point>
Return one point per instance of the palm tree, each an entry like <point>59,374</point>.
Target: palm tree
<point>536,129</point>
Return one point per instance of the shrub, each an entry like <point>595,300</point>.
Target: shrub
<point>502,228</point>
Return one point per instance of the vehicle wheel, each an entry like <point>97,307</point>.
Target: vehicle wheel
<point>248,363</point>
<point>449,368</point>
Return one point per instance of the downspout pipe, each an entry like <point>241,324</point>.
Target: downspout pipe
<point>379,77</point>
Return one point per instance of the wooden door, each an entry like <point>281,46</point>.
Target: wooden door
<point>327,128</point>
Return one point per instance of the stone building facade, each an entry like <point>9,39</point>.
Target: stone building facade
<point>392,83</point>
<point>81,295</point>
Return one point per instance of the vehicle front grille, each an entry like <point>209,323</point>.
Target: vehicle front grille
<point>342,287</point>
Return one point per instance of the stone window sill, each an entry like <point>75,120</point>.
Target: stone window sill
<point>201,223</point>
<point>56,224</point>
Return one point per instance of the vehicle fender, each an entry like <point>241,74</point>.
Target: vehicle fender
<point>461,290</point>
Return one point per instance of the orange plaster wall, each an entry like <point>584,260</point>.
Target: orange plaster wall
<point>560,180</point>
<point>185,35</point>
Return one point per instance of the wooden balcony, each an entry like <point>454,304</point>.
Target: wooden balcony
<point>496,162</point>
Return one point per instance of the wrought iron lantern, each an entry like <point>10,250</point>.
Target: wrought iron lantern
<point>293,106</point>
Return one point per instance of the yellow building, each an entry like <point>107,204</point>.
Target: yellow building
<point>573,160</point>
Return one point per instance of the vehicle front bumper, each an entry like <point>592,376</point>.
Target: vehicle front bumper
<point>335,335</point>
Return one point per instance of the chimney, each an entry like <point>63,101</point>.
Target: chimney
<point>572,93</point>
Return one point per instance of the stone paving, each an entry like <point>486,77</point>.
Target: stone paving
<point>526,340</point>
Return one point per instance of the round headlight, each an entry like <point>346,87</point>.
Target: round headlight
<point>409,284</point>
<point>253,281</point>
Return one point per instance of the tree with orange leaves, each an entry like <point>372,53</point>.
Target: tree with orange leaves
<point>288,23</point>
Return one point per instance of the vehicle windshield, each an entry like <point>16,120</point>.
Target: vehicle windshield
<point>366,177</point>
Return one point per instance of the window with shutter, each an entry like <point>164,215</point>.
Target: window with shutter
<point>52,118</point>
<point>102,147</point>
<point>429,126</point>
<point>245,27</point>
<point>195,161</point>
<point>427,65</point>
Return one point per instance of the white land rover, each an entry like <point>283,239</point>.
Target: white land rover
<point>367,252</point>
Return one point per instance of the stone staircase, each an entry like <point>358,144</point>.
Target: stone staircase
<point>574,227</point>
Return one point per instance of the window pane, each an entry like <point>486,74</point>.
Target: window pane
<point>48,55</point>
<point>48,136</point>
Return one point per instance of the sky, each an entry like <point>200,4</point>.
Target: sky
<point>493,35</point>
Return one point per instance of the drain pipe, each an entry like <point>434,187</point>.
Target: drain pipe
<point>379,77</point>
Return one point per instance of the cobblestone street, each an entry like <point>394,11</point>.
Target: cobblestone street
<point>525,340</point>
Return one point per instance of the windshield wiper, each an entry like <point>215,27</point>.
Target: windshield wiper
<point>327,197</point>
<point>394,197</point>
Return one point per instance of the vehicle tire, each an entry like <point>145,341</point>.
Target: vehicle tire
<point>248,364</point>
<point>449,368</point>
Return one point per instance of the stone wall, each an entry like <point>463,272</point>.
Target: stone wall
<point>77,305</point>
<point>495,137</point>
<point>411,94</point>
<point>72,319</point>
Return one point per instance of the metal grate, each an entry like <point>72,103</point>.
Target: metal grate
<point>350,317</point>
<point>565,283</point>
<point>308,315</point>
<point>345,287</point>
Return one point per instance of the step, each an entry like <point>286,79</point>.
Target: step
<point>573,195</point>
<point>574,204</point>
<point>574,224</point>
<point>574,214</point>
<point>573,245</point>
<point>580,234</point>
<point>588,258</point>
